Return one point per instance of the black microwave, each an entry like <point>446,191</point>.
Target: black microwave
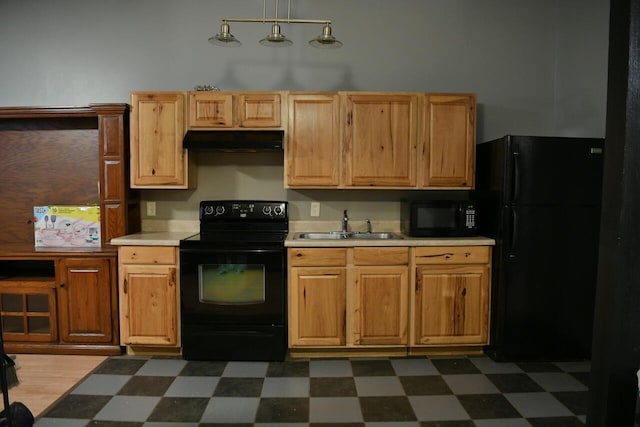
<point>438,218</point>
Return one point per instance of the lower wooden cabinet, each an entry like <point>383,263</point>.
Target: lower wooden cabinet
<point>29,311</point>
<point>60,303</point>
<point>149,294</point>
<point>388,299</point>
<point>317,296</point>
<point>379,309</point>
<point>451,296</point>
<point>85,300</point>
<point>339,303</point>
<point>317,304</point>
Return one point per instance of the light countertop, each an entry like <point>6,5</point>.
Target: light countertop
<point>153,238</point>
<point>172,238</point>
<point>292,241</point>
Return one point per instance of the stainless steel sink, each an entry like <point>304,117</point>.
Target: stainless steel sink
<point>375,236</point>
<point>339,235</point>
<point>331,235</point>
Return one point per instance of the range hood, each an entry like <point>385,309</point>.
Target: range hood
<point>234,140</point>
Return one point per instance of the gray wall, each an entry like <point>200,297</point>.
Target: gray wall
<point>537,67</point>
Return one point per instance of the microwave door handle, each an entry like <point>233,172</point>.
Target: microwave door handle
<point>513,235</point>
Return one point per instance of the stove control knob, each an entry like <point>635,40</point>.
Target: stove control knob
<point>219,210</point>
<point>266,210</point>
<point>278,210</point>
<point>208,210</point>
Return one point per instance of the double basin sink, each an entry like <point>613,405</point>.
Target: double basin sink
<point>347,235</point>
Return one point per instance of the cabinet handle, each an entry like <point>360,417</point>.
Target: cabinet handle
<point>173,277</point>
<point>62,285</point>
<point>78,270</point>
<point>126,286</point>
<point>349,118</point>
<point>447,255</point>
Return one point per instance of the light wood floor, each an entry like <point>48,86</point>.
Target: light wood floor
<point>44,378</point>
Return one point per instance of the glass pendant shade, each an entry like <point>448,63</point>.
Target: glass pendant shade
<point>326,40</point>
<point>276,38</point>
<point>224,37</point>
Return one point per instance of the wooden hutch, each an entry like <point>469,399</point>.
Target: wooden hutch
<point>62,300</point>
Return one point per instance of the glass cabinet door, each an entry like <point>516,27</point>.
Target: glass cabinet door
<point>28,310</point>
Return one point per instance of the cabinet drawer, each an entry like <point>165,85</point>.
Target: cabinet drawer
<point>147,255</point>
<point>452,254</point>
<point>318,257</point>
<point>380,256</point>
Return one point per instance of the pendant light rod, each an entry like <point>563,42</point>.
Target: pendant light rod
<point>275,19</point>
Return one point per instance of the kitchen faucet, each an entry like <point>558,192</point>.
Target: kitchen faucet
<point>345,222</point>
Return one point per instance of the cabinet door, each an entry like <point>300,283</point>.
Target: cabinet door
<point>210,109</point>
<point>451,305</point>
<point>157,129</point>
<point>257,110</point>
<point>28,310</point>
<point>380,140</point>
<point>148,305</point>
<point>86,300</point>
<point>449,141</point>
<point>317,304</point>
<point>379,311</point>
<point>312,152</point>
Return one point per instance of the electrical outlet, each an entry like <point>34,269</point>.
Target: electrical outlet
<point>151,208</point>
<point>315,209</point>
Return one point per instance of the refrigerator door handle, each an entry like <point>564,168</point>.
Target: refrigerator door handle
<point>516,176</point>
<point>513,233</point>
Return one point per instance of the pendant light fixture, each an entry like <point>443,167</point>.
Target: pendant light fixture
<point>324,41</point>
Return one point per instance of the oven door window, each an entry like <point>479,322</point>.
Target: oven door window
<point>232,283</point>
<point>233,286</point>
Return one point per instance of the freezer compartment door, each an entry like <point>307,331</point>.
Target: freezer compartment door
<point>554,171</point>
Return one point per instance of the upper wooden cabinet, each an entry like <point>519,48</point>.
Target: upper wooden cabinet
<point>392,140</point>
<point>210,109</point>
<point>380,139</point>
<point>313,140</point>
<point>235,110</point>
<point>449,141</point>
<point>157,129</point>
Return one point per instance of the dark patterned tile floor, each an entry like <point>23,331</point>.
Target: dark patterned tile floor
<point>133,391</point>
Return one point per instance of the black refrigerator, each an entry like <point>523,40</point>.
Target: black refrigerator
<point>539,198</point>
